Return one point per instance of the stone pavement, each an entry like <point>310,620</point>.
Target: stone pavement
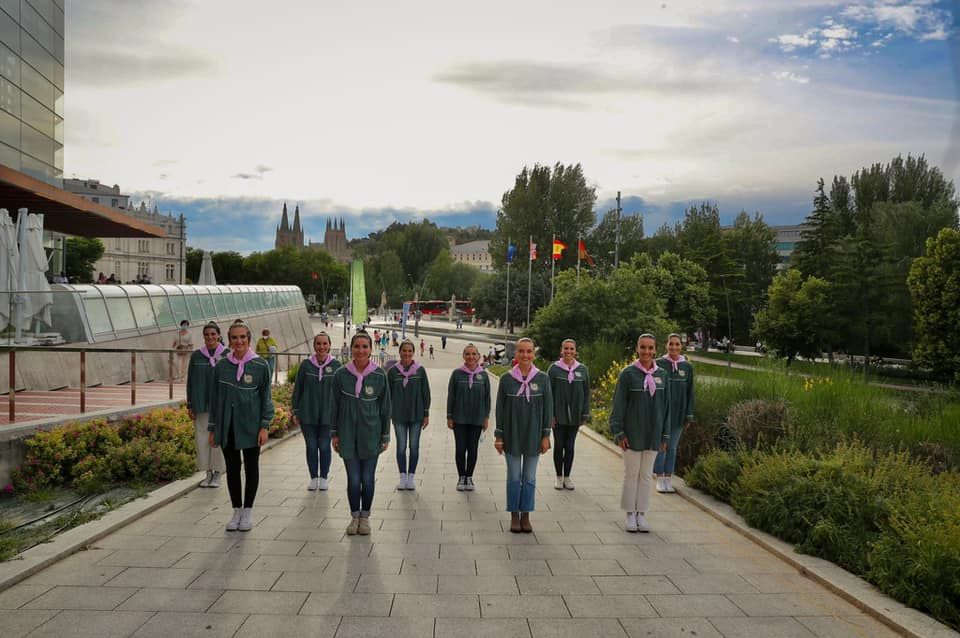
<point>438,563</point>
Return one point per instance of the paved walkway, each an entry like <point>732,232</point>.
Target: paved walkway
<point>439,563</point>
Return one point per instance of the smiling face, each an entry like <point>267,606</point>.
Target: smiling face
<point>524,354</point>
<point>239,337</point>
<point>646,350</point>
<point>211,337</point>
<point>406,354</point>
<point>674,347</point>
<point>568,351</point>
<point>321,345</point>
<point>360,347</point>
<point>471,356</point>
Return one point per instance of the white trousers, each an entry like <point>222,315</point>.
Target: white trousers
<point>208,458</point>
<point>637,482</point>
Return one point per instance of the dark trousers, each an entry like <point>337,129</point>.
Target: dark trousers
<point>467,438</point>
<point>360,484</point>
<point>564,437</point>
<point>251,470</point>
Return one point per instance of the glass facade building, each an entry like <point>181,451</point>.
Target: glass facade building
<point>31,87</point>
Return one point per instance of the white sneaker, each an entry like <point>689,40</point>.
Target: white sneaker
<point>661,485</point>
<point>568,483</point>
<point>462,484</point>
<point>234,521</point>
<point>668,486</point>
<point>246,520</point>
<point>402,485</point>
<point>214,479</point>
<point>631,524</point>
<point>642,524</point>
<point>323,484</point>
<point>205,482</point>
<point>558,484</point>
<point>314,484</point>
<point>411,482</point>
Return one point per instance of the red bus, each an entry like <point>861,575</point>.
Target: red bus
<point>441,307</point>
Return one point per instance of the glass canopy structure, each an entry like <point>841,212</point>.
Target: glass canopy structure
<point>91,313</point>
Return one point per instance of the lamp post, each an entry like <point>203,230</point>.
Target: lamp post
<point>726,294</point>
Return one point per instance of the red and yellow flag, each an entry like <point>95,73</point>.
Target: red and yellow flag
<point>558,248</point>
<point>583,254</point>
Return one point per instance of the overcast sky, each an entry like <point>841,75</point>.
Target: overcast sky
<point>388,110</point>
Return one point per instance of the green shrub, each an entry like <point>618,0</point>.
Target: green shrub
<point>292,372</point>
<point>282,394</point>
<point>599,355</point>
<point>757,422</point>
<point>717,473</point>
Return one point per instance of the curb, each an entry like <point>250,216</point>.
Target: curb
<point>77,539</point>
<point>895,615</point>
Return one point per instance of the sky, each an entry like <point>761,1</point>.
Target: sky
<point>382,110</point>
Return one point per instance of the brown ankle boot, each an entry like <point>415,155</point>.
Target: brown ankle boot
<point>515,523</point>
<point>525,523</point>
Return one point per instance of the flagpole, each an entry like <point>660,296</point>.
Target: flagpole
<point>553,263</point>
<point>529,277</point>
<point>578,259</point>
<point>509,260</point>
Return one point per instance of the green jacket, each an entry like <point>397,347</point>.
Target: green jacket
<point>521,423</point>
<point>411,404</point>
<point>362,424</point>
<point>245,406</point>
<point>571,401</point>
<point>642,418</point>
<point>468,405</point>
<point>312,400</point>
<point>679,391</point>
<point>199,382</point>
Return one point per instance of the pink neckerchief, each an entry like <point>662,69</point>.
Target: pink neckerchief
<point>675,362</point>
<point>217,352</point>
<point>563,366</point>
<point>352,369</point>
<point>320,364</point>
<point>471,374</point>
<point>648,381</point>
<point>409,372</point>
<point>242,361</point>
<point>524,383</point>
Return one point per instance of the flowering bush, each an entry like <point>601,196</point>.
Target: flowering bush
<point>282,394</point>
<point>601,397</point>
<point>282,422</point>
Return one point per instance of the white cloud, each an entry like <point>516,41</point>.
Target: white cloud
<point>838,32</point>
<point>916,18</point>
<point>734,39</point>
<point>791,41</point>
<point>791,76</point>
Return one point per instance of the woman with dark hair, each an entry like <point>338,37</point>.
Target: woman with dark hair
<point>200,378</point>
<point>680,400</point>
<point>312,404</point>
<point>183,344</point>
<point>638,421</point>
<point>468,413</point>
<point>241,410</point>
<point>524,417</point>
<point>410,398</point>
<point>360,431</point>
<point>570,382</point>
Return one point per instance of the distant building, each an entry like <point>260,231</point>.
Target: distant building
<point>334,237</point>
<point>787,239</point>
<point>157,260</point>
<point>475,254</point>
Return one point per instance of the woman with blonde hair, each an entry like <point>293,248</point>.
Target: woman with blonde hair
<point>680,399</point>
<point>200,380</point>
<point>570,383</point>
<point>410,398</point>
<point>468,413</point>
<point>312,404</point>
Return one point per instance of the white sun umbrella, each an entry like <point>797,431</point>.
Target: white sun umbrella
<point>9,256</point>
<point>37,298</point>
<point>207,276</point>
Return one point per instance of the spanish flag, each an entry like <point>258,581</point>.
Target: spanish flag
<point>558,248</point>
<point>583,254</point>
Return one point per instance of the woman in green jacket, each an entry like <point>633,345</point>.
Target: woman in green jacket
<point>638,421</point>
<point>468,413</point>
<point>241,410</point>
<point>360,431</point>
<point>410,398</point>
<point>199,386</point>
<point>312,403</point>
<point>570,383</point>
<point>524,417</point>
<point>680,397</point>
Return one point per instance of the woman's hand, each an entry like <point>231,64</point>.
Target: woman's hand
<point>383,447</point>
<point>544,444</point>
<point>486,424</point>
<point>498,445</point>
<point>191,414</point>
<point>210,440</point>
<point>624,444</point>
<point>262,437</point>
<point>426,422</point>
<point>296,420</point>
<point>450,424</point>
<point>335,444</point>
<point>663,446</point>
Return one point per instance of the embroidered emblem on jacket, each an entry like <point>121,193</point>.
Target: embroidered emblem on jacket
<point>248,378</point>
<point>368,390</point>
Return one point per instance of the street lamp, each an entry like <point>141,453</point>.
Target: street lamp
<point>726,295</point>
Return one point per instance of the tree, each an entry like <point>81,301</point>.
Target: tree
<point>602,240</point>
<point>935,287</point>
<point>663,241</point>
<point>488,295</point>
<point>194,259</point>
<point>752,246</point>
<point>701,240</point>
<point>228,267</point>
<point>795,321</point>
<point>82,254</point>
<point>682,285</point>
<point>544,202</point>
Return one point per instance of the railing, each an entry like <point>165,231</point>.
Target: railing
<point>12,353</point>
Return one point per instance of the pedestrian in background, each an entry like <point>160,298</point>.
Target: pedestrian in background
<point>200,379</point>
<point>680,409</point>
<point>468,413</point>
<point>410,401</point>
<point>267,350</point>
<point>183,344</point>
<point>570,383</point>
<point>312,404</point>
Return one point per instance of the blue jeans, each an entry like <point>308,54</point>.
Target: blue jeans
<point>360,484</point>
<point>408,432</point>
<point>317,438</point>
<point>667,461</point>
<point>521,482</point>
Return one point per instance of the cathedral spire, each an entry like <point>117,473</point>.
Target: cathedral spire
<point>284,221</point>
<point>296,219</point>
